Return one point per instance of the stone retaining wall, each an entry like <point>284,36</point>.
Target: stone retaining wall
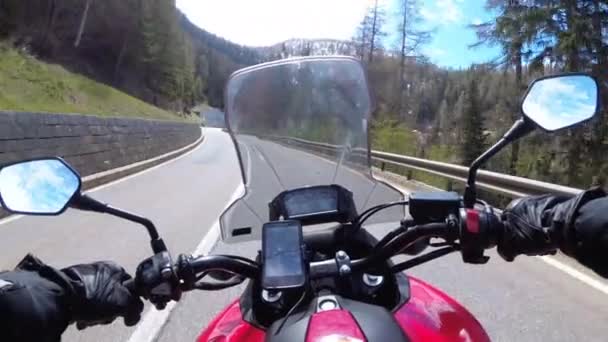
<point>91,144</point>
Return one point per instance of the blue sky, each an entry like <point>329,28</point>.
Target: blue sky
<point>265,22</point>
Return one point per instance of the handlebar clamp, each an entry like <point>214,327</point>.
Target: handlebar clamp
<point>343,263</point>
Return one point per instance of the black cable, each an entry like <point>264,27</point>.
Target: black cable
<point>207,286</point>
<point>290,312</point>
<point>380,206</point>
<point>423,258</point>
<point>364,216</point>
<point>441,244</point>
<point>237,257</point>
<point>388,237</point>
<point>218,286</point>
<point>201,276</point>
<point>401,242</point>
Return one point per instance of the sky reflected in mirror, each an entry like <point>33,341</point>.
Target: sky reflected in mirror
<point>39,186</point>
<point>559,102</point>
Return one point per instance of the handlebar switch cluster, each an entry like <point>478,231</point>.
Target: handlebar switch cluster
<point>478,232</point>
<point>157,281</point>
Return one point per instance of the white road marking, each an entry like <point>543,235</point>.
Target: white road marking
<point>142,172</point>
<point>595,283</point>
<point>153,320</point>
<point>10,219</point>
<point>103,186</point>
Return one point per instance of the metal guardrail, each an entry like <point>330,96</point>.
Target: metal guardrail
<point>496,182</point>
<point>493,181</point>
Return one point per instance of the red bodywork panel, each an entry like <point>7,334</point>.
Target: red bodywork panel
<point>429,315</point>
<point>229,326</point>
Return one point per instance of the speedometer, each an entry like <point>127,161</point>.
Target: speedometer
<point>316,204</point>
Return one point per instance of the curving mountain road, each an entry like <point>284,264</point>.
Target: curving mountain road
<point>526,300</point>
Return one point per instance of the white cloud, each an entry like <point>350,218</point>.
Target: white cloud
<point>476,21</point>
<point>266,22</point>
<point>443,12</point>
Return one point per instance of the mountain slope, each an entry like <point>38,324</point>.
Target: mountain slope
<point>27,84</point>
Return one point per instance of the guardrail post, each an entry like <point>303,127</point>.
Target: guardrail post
<point>383,166</point>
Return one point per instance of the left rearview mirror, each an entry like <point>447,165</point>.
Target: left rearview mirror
<point>38,187</point>
<point>561,101</point>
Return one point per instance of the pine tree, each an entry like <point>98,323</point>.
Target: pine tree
<point>473,132</point>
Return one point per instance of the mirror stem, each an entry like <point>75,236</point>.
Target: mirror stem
<point>519,129</point>
<point>85,202</point>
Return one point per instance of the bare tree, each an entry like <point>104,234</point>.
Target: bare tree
<point>376,32</point>
<point>410,40</point>
<point>83,21</point>
<point>368,38</point>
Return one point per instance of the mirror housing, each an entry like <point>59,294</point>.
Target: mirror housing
<point>582,96</point>
<point>44,186</point>
<point>560,101</point>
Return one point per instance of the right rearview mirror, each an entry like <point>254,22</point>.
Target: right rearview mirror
<point>561,101</point>
<point>38,187</point>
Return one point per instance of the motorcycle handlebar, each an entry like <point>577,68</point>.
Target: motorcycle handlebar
<point>476,231</point>
<point>240,266</point>
<point>319,269</point>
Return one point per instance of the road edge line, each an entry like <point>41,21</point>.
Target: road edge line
<point>148,169</point>
<point>153,321</point>
<point>571,271</point>
<point>588,280</point>
<point>105,177</point>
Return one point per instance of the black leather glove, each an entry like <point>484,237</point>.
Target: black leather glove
<point>34,302</point>
<point>100,296</point>
<point>542,224</point>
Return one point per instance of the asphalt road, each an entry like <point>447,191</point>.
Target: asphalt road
<point>526,300</point>
<point>183,198</point>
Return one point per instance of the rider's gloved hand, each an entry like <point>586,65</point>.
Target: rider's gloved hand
<point>542,224</point>
<point>37,301</point>
<point>100,296</point>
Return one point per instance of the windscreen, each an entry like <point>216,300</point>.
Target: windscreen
<point>297,123</point>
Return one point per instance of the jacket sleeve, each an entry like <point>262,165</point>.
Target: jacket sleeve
<point>590,236</point>
<point>34,304</point>
<point>577,225</point>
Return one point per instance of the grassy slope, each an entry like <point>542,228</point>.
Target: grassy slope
<point>27,84</point>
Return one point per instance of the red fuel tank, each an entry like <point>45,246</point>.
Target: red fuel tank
<point>429,315</point>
